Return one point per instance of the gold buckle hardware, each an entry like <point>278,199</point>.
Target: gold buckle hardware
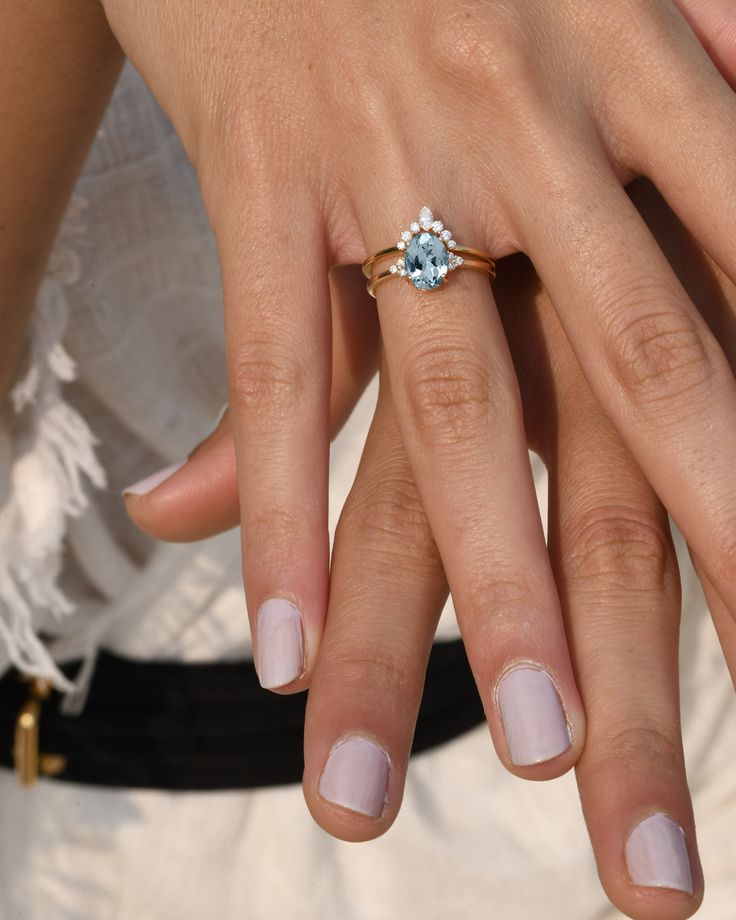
<point>29,762</point>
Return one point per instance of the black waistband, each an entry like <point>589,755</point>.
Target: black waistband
<point>167,725</point>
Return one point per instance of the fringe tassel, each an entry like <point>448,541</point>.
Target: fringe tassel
<point>43,467</point>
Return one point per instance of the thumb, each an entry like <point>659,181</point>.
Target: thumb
<point>198,497</point>
<point>192,500</point>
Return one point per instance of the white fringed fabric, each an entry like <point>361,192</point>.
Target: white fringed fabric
<point>124,372</point>
<point>46,465</point>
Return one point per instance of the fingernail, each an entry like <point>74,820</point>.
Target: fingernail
<point>356,776</point>
<point>280,643</point>
<point>155,479</point>
<point>656,855</point>
<point>533,718</point>
<point>221,414</point>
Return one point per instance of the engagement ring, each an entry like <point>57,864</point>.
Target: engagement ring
<point>427,254</point>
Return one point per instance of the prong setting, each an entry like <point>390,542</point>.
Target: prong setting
<point>427,253</point>
<point>426,243</point>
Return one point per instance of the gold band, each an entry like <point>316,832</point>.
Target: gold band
<point>488,267</point>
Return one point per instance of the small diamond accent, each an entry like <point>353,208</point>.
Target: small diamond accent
<point>401,244</point>
<point>446,235</point>
<point>406,236</point>
<point>402,272</point>
<point>425,218</point>
<point>394,269</point>
<point>459,260</point>
<point>437,226</point>
<point>451,244</point>
<point>414,227</point>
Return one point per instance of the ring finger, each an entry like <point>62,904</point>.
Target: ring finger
<point>459,411</point>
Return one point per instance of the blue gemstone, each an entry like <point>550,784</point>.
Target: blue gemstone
<point>426,261</point>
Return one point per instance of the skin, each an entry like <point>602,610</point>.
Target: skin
<point>558,104</point>
<point>610,547</point>
<point>71,150</point>
<point>545,183</point>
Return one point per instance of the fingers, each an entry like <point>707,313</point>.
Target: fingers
<point>460,418</point>
<point>652,361</point>
<point>387,592</point>
<point>617,571</point>
<point>716,296</point>
<point>277,329</point>
<point>200,499</point>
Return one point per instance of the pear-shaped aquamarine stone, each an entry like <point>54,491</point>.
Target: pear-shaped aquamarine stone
<point>427,261</point>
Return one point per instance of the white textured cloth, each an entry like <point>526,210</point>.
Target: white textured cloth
<point>137,381</point>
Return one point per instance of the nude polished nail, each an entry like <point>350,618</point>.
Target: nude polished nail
<point>356,776</point>
<point>656,855</point>
<point>280,643</point>
<point>144,486</point>
<point>532,715</point>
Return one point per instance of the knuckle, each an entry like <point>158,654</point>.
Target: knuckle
<point>269,536</point>
<point>389,522</point>
<point>623,37</point>
<point>504,602</point>
<point>359,94</point>
<point>658,354</point>
<point>449,396</point>
<point>265,378</point>
<point>637,43</point>
<point>633,744</point>
<point>486,45</point>
<point>615,547</point>
<point>351,663</point>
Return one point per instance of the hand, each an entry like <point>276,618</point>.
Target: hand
<point>611,548</point>
<point>317,131</point>
<point>295,685</point>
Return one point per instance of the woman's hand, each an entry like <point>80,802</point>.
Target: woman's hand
<point>318,130</point>
<point>614,564</point>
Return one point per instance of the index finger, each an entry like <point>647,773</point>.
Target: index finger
<point>277,323</point>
